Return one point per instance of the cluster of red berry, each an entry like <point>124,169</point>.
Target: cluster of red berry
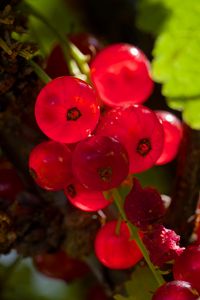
<point>93,150</point>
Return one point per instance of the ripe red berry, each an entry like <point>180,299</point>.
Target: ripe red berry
<point>60,266</point>
<point>116,250</point>
<point>10,184</point>
<point>172,136</point>
<point>100,163</point>
<point>67,109</point>
<point>176,290</point>
<point>50,165</point>
<point>121,75</point>
<point>143,207</point>
<point>187,266</point>
<point>139,130</point>
<point>84,199</point>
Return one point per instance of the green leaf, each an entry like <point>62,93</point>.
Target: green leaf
<point>176,60</point>
<point>141,286</point>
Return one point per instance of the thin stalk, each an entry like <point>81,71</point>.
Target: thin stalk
<point>136,237</point>
<point>70,51</point>
<point>39,71</point>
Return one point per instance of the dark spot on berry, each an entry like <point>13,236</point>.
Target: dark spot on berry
<point>33,173</point>
<point>105,173</point>
<point>71,190</point>
<point>73,114</point>
<point>144,147</point>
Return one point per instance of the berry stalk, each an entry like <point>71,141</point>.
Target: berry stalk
<point>75,59</point>
<point>135,236</point>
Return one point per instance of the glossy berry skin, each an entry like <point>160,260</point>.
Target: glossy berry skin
<point>50,165</point>
<point>67,109</point>
<point>86,43</point>
<point>139,130</point>
<point>143,207</point>
<point>60,266</point>
<point>176,290</point>
<point>116,250</point>
<point>121,75</point>
<point>85,199</point>
<point>100,163</point>
<point>187,266</point>
<point>10,184</point>
<point>173,132</point>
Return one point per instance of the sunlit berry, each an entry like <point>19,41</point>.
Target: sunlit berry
<point>121,74</point>
<point>85,199</point>
<point>50,165</point>
<point>172,136</point>
<point>139,130</point>
<point>115,249</point>
<point>100,163</point>
<point>176,290</point>
<point>67,109</point>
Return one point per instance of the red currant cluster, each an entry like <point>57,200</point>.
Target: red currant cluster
<point>100,134</point>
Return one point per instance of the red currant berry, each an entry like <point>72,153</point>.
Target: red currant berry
<point>116,250</point>
<point>67,109</point>
<point>176,290</point>
<point>10,184</point>
<point>50,165</point>
<point>60,266</point>
<point>84,199</point>
<point>56,63</point>
<point>143,207</point>
<point>121,75</point>
<point>100,163</point>
<point>187,266</point>
<point>139,130</point>
<point>172,136</point>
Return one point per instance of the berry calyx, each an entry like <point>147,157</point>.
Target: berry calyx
<point>116,250</point>
<point>50,165</point>
<point>139,130</point>
<point>60,266</point>
<point>85,199</point>
<point>67,109</point>
<point>121,75</point>
<point>143,207</point>
<point>100,163</point>
<point>162,244</point>
<point>176,290</point>
<point>173,131</point>
<point>187,266</point>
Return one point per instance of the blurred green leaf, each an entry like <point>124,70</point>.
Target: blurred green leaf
<point>176,63</point>
<point>26,283</point>
<point>141,286</point>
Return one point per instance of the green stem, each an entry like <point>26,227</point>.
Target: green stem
<point>136,237</point>
<point>39,71</point>
<point>70,51</point>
